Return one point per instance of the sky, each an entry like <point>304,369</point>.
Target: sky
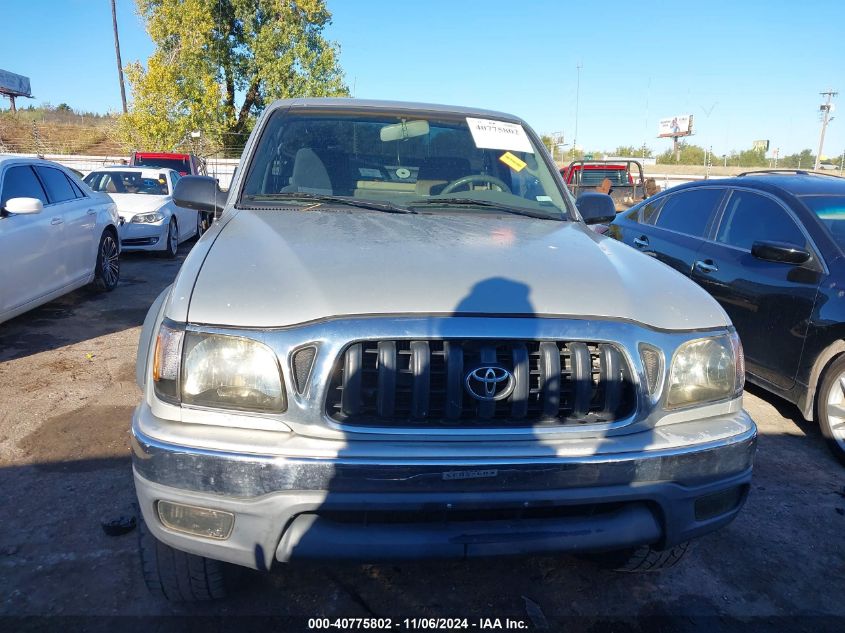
<point>745,69</point>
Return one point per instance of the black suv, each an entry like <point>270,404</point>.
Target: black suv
<point>770,247</point>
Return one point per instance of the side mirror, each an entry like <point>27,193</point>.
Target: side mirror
<point>201,193</point>
<point>23,206</point>
<point>596,208</point>
<point>780,252</point>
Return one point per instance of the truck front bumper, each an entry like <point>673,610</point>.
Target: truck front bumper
<point>682,485</point>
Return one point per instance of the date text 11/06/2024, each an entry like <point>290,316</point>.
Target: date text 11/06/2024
<point>431,624</point>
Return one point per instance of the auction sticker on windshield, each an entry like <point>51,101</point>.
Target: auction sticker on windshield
<point>513,161</point>
<point>489,134</point>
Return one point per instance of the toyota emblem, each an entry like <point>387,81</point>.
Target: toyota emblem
<point>489,383</point>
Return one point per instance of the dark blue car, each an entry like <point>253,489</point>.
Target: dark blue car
<point>770,247</point>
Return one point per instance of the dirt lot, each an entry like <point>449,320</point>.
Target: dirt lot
<point>67,375</point>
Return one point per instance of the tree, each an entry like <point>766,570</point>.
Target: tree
<point>634,152</point>
<point>803,160</point>
<point>689,155</point>
<point>219,63</point>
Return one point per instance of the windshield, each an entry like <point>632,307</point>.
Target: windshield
<point>431,164</point>
<point>831,212</point>
<point>182,165</point>
<point>127,182</point>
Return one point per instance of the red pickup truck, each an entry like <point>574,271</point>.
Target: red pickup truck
<point>185,164</point>
<point>627,182</point>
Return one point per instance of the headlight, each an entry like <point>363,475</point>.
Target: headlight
<point>148,218</point>
<point>705,370</point>
<point>212,370</point>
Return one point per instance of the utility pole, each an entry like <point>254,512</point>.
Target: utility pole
<point>826,107</point>
<point>117,54</point>
<point>577,104</point>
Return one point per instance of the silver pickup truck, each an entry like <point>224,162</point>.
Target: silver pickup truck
<point>401,340</point>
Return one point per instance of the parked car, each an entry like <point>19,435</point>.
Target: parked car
<point>769,246</point>
<point>403,341</point>
<point>149,218</point>
<point>56,235</point>
<point>185,164</point>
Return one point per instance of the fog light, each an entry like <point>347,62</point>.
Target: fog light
<point>718,503</point>
<point>204,522</point>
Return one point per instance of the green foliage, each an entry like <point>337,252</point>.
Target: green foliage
<point>805,159</point>
<point>689,155</point>
<point>63,107</point>
<point>752,158</point>
<point>219,63</point>
<point>634,152</point>
<point>695,155</point>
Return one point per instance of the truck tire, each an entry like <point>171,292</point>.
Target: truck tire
<point>640,559</point>
<point>178,576</point>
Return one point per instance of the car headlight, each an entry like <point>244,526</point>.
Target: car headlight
<point>220,371</point>
<point>148,218</point>
<point>706,370</point>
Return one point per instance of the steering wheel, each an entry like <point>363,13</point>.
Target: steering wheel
<point>474,178</point>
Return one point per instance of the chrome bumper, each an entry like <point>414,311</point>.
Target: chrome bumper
<point>245,475</point>
<point>283,504</point>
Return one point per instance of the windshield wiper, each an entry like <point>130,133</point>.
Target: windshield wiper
<point>448,202</point>
<point>387,207</point>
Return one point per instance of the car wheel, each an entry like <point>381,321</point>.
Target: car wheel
<point>640,559</point>
<point>830,408</point>
<point>171,247</point>
<point>178,576</point>
<point>107,268</point>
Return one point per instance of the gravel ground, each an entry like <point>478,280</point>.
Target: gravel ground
<point>67,376</point>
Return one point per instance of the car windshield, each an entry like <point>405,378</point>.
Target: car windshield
<point>128,182</point>
<point>182,165</point>
<point>424,163</point>
<point>831,211</point>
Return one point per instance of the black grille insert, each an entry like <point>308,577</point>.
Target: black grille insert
<point>422,383</point>
<point>302,361</point>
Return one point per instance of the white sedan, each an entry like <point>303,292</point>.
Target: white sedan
<point>151,221</point>
<point>56,235</point>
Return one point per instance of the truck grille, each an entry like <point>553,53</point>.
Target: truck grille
<point>479,383</point>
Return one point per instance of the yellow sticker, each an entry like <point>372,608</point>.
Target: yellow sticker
<point>512,161</point>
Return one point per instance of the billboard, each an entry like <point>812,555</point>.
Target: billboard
<point>12,84</point>
<point>676,126</point>
<point>760,146</point>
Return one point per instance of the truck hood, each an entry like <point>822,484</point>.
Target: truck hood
<point>284,267</point>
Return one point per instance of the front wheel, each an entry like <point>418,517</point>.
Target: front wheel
<point>178,576</point>
<point>830,407</point>
<point>640,559</point>
<point>107,268</point>
<point>171,247</point>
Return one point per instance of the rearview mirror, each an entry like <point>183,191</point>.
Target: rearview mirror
<point>780,252</point>
<point>201,193</point>
<point>404,130</point>
<point>596,208</point>
<point>23,206</point>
